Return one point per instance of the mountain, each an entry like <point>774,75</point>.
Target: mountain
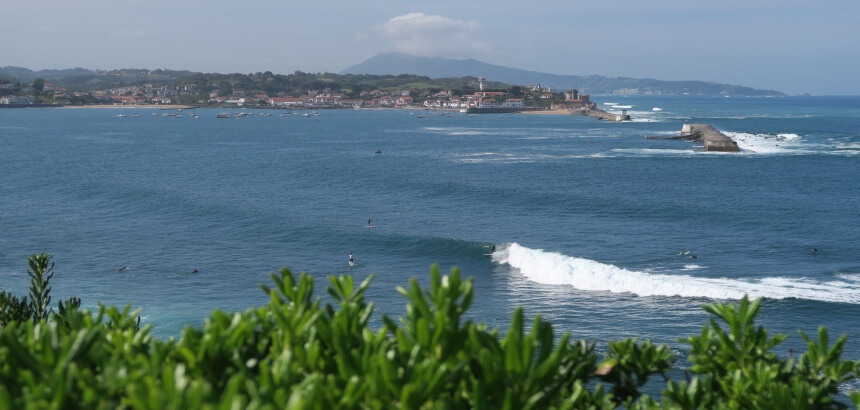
<point>438,67</point>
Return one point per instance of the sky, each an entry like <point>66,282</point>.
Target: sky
<point>786,45</point>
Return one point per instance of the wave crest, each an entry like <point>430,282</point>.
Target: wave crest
<point>554,268</point>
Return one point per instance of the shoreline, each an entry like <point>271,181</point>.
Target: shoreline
<point>191,107</point>
<point>132,107</point>
<point>546,112</point>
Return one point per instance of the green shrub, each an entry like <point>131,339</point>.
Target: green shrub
<point>294,352</point>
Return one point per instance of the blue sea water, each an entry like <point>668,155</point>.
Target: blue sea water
<point>588,216</point>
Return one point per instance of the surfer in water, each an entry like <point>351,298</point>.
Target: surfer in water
<point>814,251</point>
<point>122,269</point>
<point>351,261</point>
<point>494,248</point>
<point>369,222</point>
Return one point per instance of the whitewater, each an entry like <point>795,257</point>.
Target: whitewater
<point>553,268</point>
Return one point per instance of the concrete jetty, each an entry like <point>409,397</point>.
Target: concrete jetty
<point>603,115</point>
<point>710,138</point>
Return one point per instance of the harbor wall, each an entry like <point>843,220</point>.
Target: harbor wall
<point>710,138</point>
<point>600,114</point>
<point>496,110</point>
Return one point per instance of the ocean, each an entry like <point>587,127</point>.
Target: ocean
<point>594,225</point>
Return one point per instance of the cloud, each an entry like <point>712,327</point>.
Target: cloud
<point>421,34</point>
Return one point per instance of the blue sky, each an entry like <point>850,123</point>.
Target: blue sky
<point>787,45</point>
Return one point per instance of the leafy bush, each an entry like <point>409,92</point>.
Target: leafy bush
<point>294,352</point>
<point>37,306</point>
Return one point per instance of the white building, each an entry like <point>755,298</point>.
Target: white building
<point>514,103</point>
<point>14,99</point>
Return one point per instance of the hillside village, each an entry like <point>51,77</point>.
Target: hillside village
<point>45,93</point>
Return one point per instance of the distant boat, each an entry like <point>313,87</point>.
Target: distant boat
<point>120,115</point>
<point>622,107</point>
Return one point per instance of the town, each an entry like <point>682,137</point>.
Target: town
<point>479,95</point>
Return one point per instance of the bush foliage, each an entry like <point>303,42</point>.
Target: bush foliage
<point>295,352</point>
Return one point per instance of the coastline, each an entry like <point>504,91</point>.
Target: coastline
<point>546,112</point>
<point>191,107</point>
<point>132,107</point>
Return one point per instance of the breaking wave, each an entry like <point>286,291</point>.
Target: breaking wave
<point>768,143</point>
<point>554,268</point>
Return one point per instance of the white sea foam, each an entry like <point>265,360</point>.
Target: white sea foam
<point>554,268</point>
<point>768,143</point>
<point>469,133</point>
<point>646,152</point>
<point>852,146</point>
<point>692,267</point>
<point>851,277</point>
<point>482,154</point>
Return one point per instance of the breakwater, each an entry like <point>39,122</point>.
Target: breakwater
<point>496,110</point>
<point>603,115</point>
<point>706,134</point>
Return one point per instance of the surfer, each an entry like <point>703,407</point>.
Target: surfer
<point>369,222</point>
<point>122,269</point>
<point>351,261</point>
<point>195,271</point>
<point>814,251</point>
<point>379,151</point>
<point>494,248</point>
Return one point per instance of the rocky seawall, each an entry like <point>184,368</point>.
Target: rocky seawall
<point>710,137</point>
<point>603,115</point>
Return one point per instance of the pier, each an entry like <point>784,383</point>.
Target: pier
<point>496,110</point>
<point>710,138</point>
<point>603,115</point>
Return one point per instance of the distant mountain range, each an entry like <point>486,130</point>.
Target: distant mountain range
<point>438,67</point>
<point>399,64</point>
